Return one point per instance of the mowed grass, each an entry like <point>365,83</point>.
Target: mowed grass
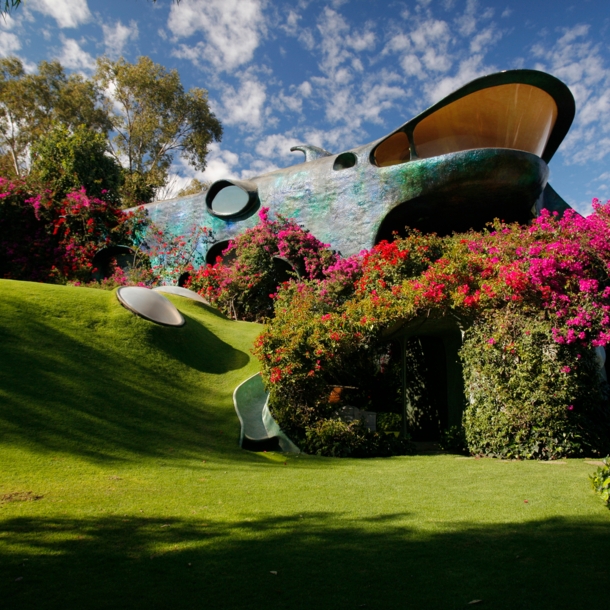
<point>122,486</point>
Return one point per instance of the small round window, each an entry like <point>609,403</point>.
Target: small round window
<point>216,251</point>
<point>345,161</point>
<point>230,200</point>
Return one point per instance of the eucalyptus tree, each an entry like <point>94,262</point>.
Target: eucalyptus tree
<point>153,119</point>
<point>31,104</point>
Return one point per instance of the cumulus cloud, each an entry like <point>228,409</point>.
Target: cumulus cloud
<point>244,106</point>
<point>276,145</point>
<point>10,42</point>
<point>579,62</point>
<point>67,13</point>
<point>220,164</point>
<point>232,31</point>
<point>72,56</point>
<point>468,70</point>
<point>118,35</point>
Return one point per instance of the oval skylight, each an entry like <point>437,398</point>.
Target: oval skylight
<point>182,292</point>
<point>149,305</point>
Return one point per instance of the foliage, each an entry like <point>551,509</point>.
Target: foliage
<point>9,5</point>
<point>262,254</point>
<point>529,396</point>
<point>453,440</point>
<point>389,422</point>
<point>600,481</point>
<point>336,438</point>
<point>43,238</point>
<point>30,104</point>
<point>552,275</point>
<point>193,188</point>
<point>153,118</point>
<point>65,161</point>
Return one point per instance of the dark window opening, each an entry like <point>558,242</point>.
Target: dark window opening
<point>184,278</point>
<point>105,259</point>
<point>217,250</point>
<point>467,207</point>
<point>345,161</point>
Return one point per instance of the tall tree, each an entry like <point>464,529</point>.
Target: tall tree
<point>153,118</point>
<point>65,160</point>
<point>30,104</point>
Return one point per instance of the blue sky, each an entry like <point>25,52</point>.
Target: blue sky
<point>338,73</point>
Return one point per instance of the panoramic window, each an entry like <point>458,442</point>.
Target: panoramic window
<point>345,161</point>
<point>392,151</point>
<point>515,116</point>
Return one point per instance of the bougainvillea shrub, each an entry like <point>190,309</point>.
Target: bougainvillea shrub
<point>245,289</point>
<point>45,239</point>
<point>529,396</point>
<point>553,274</point>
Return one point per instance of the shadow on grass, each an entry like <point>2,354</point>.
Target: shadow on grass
<point>321,560</point>
<point>116,386</point>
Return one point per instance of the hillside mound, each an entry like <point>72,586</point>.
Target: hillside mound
<point>81,374</point>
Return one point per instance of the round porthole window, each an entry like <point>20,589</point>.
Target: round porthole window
<point>232,200</point>
<point>345,161</point>
<point>216,250</point>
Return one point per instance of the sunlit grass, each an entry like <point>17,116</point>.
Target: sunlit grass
<point>122,486</point>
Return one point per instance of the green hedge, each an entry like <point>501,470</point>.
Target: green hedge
<point>528,396</point>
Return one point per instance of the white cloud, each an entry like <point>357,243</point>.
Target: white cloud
<point>232,30</point>
<point>67,13</point>
<point>276,145</point>
<point>257,168</point>
<point>9,44</point>
<point>74,57</point>
<point>580,63</point>
<point>118,35</point>
<point>244,106</point>
<point>220,164</point>
<point>468,70</point>
<point>305,89</point>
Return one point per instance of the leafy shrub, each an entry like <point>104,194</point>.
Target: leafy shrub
<point>67,160</point>
<point>539,396</point>
<point>245,288</point>
<point>529,396</point>
<point>453,440</point>
<point>600,481</point>
<point>389,422</point>
<point>335,438</point>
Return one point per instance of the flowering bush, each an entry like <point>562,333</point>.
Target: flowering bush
<point>170,257</point>
<point>245,289</point>
<point>552,275</point>
<point>44,239</point>
<point>529,396</point>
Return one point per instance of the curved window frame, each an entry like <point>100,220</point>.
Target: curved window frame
<point>246,211</point>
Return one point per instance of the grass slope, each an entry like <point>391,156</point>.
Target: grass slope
<point>122,486</point>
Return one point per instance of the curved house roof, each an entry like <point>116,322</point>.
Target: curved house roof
<point>477,154</point>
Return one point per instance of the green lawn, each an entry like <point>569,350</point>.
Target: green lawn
<point>122,486</point>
